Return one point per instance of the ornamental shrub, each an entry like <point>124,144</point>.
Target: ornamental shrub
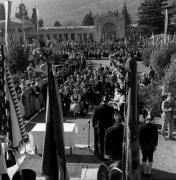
<point>150,97</point>
<point>161,58</point>
<point>170,79</point>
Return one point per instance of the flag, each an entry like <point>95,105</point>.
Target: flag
<point>131,159</point>
<point>18,132</point>
<point>7,5</point>
<point>54,162</point>
<point>165,26</point>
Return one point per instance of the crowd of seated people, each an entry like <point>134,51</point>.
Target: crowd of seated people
<point>81,85</point>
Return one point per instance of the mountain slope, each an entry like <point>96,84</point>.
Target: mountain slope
<point>74,10</point>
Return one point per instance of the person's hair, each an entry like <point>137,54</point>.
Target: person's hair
<point>120,117</point>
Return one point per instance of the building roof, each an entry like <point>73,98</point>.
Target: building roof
<point>13,20</point>
<point>67,27</point>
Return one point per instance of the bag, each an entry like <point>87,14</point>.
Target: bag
<point>10,158</point>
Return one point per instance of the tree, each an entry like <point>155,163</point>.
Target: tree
<point>41,23</point>
<point>22,12</point>
<point>127,18</point>
<point>126,15</point>
<point>88,20</point>
<point>2,11</point>
<point>34,17</point>
<point>151,16</point>
<point>57,24</point>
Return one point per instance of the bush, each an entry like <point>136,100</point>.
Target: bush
<point>161,58</point>
<point>150,96</point>
<point>170,79</point>
<point>146,55</point>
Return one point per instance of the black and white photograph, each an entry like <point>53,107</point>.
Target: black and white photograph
<point>87,89</point>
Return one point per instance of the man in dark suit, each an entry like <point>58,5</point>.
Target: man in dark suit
<point>148,140</point>
<point>114,138</point>
<point>102,119</point>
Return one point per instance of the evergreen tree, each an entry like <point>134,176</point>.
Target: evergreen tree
<point>126,15</point>
<point>151,16</point>
<point>57,24</point>
<point>116,12</point>
<point>2,11</point>
<point>41,23</point>
<point>88,20</point>
<point>34,17</point>
<point>22,12</point>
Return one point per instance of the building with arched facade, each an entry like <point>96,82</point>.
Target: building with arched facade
<point>106,27</point>
<point>109,27</point>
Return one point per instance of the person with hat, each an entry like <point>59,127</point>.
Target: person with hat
<point>102,119</point>
<point>148,140</point>
<point>114,138</point>
<point>168,107</point>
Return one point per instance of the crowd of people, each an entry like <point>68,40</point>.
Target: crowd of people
<point>31,95</point>
<point>81,86</point>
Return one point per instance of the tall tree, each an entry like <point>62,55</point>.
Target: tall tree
<point>2,11</point>
<point>127,18</point>
<point>57,24</point>
<point>41,23</point>
<point>22,12</point>
<point>34,17</point>
<point>126,15</point>
<point>88,20</point>
<point>151,16</point>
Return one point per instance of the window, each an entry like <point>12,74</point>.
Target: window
<point>60,37</point>
<point>91,36</point>
<point>73,36</point>
<point>85,36</point>
<point>55,36</point>
<point>41,36</point>
<point>65,37</point>
<point>19,30</point>
<point>48,36</point>
<point>79,37</point>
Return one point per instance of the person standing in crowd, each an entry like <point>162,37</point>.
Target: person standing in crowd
<point>145,81</point>
<point>151,74</point>
<point>102,119</point>
<point>114,138</point>
<point>30,70</point>
<point>148,140</point>
<point>35,98</point>
<point>168,107</point>
<point>84,103</point>
<point>75,102</point>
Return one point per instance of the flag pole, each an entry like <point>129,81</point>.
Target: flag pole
<point>165,26</point>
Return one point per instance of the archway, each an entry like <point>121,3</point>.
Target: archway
<point>109,31</point>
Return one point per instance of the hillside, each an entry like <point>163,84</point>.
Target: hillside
<point>73,11</point>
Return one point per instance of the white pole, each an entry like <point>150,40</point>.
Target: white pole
<point>165,26</point>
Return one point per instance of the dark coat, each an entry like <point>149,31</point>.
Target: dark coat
<point>148,136</point>
<point>103,116</point>
<point>113,141</point>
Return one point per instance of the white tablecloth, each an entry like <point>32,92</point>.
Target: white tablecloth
<point>37,135</point>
